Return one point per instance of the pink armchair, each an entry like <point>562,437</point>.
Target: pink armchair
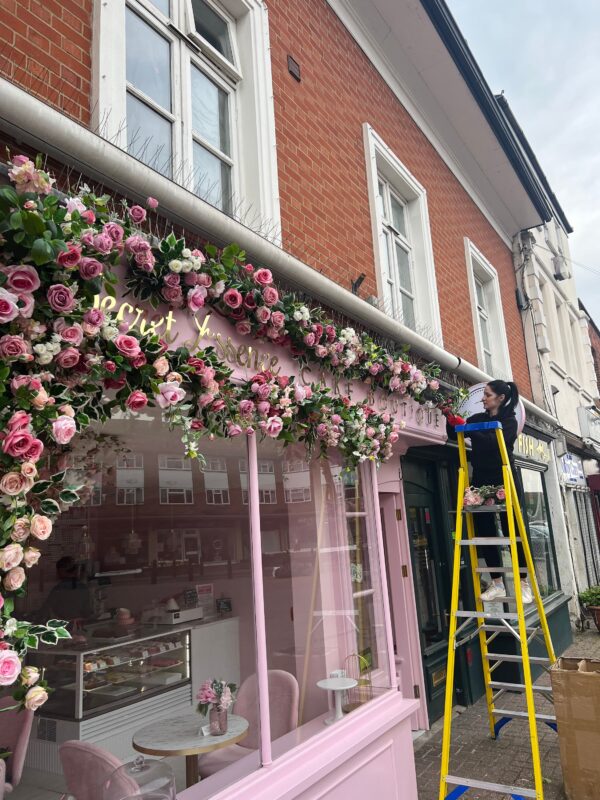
<point>87,769</point>
<point>283,704</point>
<point>15,729</point>
<point>2,777</point>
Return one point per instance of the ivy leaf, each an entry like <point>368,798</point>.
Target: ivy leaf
<point>41,486</point>
<point>50,507</point>
<point>42,252</point>
<point>9,604</point>
<point>68,496</point>
<point>31,641</point>
<point>49,637</point>
<point>83,419</point>
<point>56,623</point>
<point>9,194</point>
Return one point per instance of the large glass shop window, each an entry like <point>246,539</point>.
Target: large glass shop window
<point>323,597</point>
<point>540,531</point>
<point>156,534</point>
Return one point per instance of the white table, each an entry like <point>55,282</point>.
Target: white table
<point>338,686</point>
<point>182,737</point>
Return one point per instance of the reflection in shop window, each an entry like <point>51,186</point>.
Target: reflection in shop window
<point>217,497</point>
<point>176,496</point>
<point>130,497</point>
<point>130,461</point>
<point>296,481</point>
<point>540,532</point>
<point>267,494</point>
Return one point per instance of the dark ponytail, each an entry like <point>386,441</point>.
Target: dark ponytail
<point>511,396</point>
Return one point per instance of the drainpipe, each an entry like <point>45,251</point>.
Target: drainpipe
<point>29,119</point>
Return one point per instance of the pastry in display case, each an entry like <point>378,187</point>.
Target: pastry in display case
<point>92,677</point>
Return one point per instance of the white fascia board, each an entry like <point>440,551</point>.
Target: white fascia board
<point>506,227</point>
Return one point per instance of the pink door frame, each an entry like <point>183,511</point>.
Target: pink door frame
<point>409,665</point>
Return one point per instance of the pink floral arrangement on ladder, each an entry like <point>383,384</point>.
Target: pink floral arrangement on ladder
<point>484,496</point>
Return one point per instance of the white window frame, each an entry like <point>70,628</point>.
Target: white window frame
<point>381,161</point>
<point>182,464</point>
<point>480,269</point>
<point>137,458</point>
<point>167,495</point>
<point>252,120</point>
<point>123,495</point>
<point>213,494</point>
<point>292,494</point>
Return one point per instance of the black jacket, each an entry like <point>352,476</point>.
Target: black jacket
<point>485,454</point>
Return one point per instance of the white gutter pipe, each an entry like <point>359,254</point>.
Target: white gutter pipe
<point>31,120</point>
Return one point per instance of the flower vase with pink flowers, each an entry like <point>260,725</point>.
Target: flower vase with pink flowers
<point>215,697</point>
<point>484,496</point>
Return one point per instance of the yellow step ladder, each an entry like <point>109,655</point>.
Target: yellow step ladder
<point>490,624</point>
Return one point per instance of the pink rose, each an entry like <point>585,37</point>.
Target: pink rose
<point>68,358</point>
<point>271,295</point>
<point>94,317</point>
<point>13,483</point>
<point>434,385</point>
<point>195,298</point>
<point>170,393</point>
<point>320,351</point>
<point>20,530</point>
<point>17,443</point>
<point>63,429</point>
<point>263,408</point>
<point>128,345</point>
<point>263,277</point>
<point>152,202</point>
<point>68,258</point>
<point>88,216</point>
<point>23,279</point>
<point>138,361</point>
<point>41,399</point>
<point>202,279</point>
<point>75,204</point>
<point>31,556</point>
<point>161,366</point>
<point>263,392</point>
<point>299,393</point>
<point>172,279</point>
<point>243,327</point>
<point>137,214</point>
<point>263,314</point>
<point>61,298</point>
<point>246,408</point>
<point>90,268</point>
<point>35,698</point>
<point>309,339</point>
<point>35,450</point>
<point>205,399</point>
<point>501,494</point>
<point>30,676</point>
<point>137,400</point>
<point>65,409</point>
<point>232,298</point>
<point>10,667</point>
<point>102,243</point>
<point>19,420</point>
<point>8,306</point>
<point>29,469</point>
<point>14,579</point>
<point>73,334</point>
<point>12,347</point>
<point>27,305</point>
<point>136,244</point>
<point>273,427</point>
<point>11,556</point>
<point>278,319</point>
<point>172,294</point>
<point>114,230</point>
<point>249,301</point>
<point>40,526</point>
<point>233,430</point>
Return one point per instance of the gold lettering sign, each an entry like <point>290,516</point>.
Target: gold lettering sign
<point>533,448</point>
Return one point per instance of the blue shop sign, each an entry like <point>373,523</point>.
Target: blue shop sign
<point>572,470</point>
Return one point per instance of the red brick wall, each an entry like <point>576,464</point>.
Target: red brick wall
<point>323,181</point>
<point>46,50</point>
<point>595,342</point>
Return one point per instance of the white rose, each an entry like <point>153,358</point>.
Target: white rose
<point>39,349</point>
<point>109,332</point>
<point>175,265</point>
<point>44,359</point>
<point>186,252</point>
<point>297,316</point>
<point>186,266</point>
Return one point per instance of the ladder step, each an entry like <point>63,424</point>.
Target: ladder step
<point>477,541</point>
<point>502,629</point>
<point>499,712</point>
<point>518,687</point>
<point>511,657</point>
<point>504,570</point>
<point>499,788</point>
<point>487,615</point>
<point>484,510</point>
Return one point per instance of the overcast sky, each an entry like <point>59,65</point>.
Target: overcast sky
<point>545,55</point>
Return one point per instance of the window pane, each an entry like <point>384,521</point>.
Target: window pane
<point>212,27</point>
<point>212,179</point>
<point>210,112</point>
<point>540,533</point>
<point>403,260</point>
<point>148,60</point>
<point>408,311</point>
<point>322,582</point>
<point>398,218</point>
<point>485,334</point>
<point>426,584</point>
<point>149,136</point>
<point>480,294</point>
<point>163,6</point>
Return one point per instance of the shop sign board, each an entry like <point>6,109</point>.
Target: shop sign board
<point>532,448</point>
<point>571,469</point>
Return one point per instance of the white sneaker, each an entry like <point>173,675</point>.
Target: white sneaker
<point>526,593</point>
<point>494,592</point>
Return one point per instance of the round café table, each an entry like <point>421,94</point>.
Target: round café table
<point>181,736</point>
<point>338,686</point>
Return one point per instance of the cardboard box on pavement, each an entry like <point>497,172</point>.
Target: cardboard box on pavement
<point>576,690</point>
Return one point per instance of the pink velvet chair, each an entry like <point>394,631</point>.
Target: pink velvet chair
<point>283,704</point>
<point>2,777</point>
<point>87,769</point>
<point>15,729</point>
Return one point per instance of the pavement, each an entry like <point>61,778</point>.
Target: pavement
<point>505,760</point>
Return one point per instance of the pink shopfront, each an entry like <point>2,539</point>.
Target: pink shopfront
<point>286,570</point>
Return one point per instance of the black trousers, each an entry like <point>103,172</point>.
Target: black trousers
<point>487,525</point>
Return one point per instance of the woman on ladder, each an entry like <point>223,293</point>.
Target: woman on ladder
<point>500,400</point>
